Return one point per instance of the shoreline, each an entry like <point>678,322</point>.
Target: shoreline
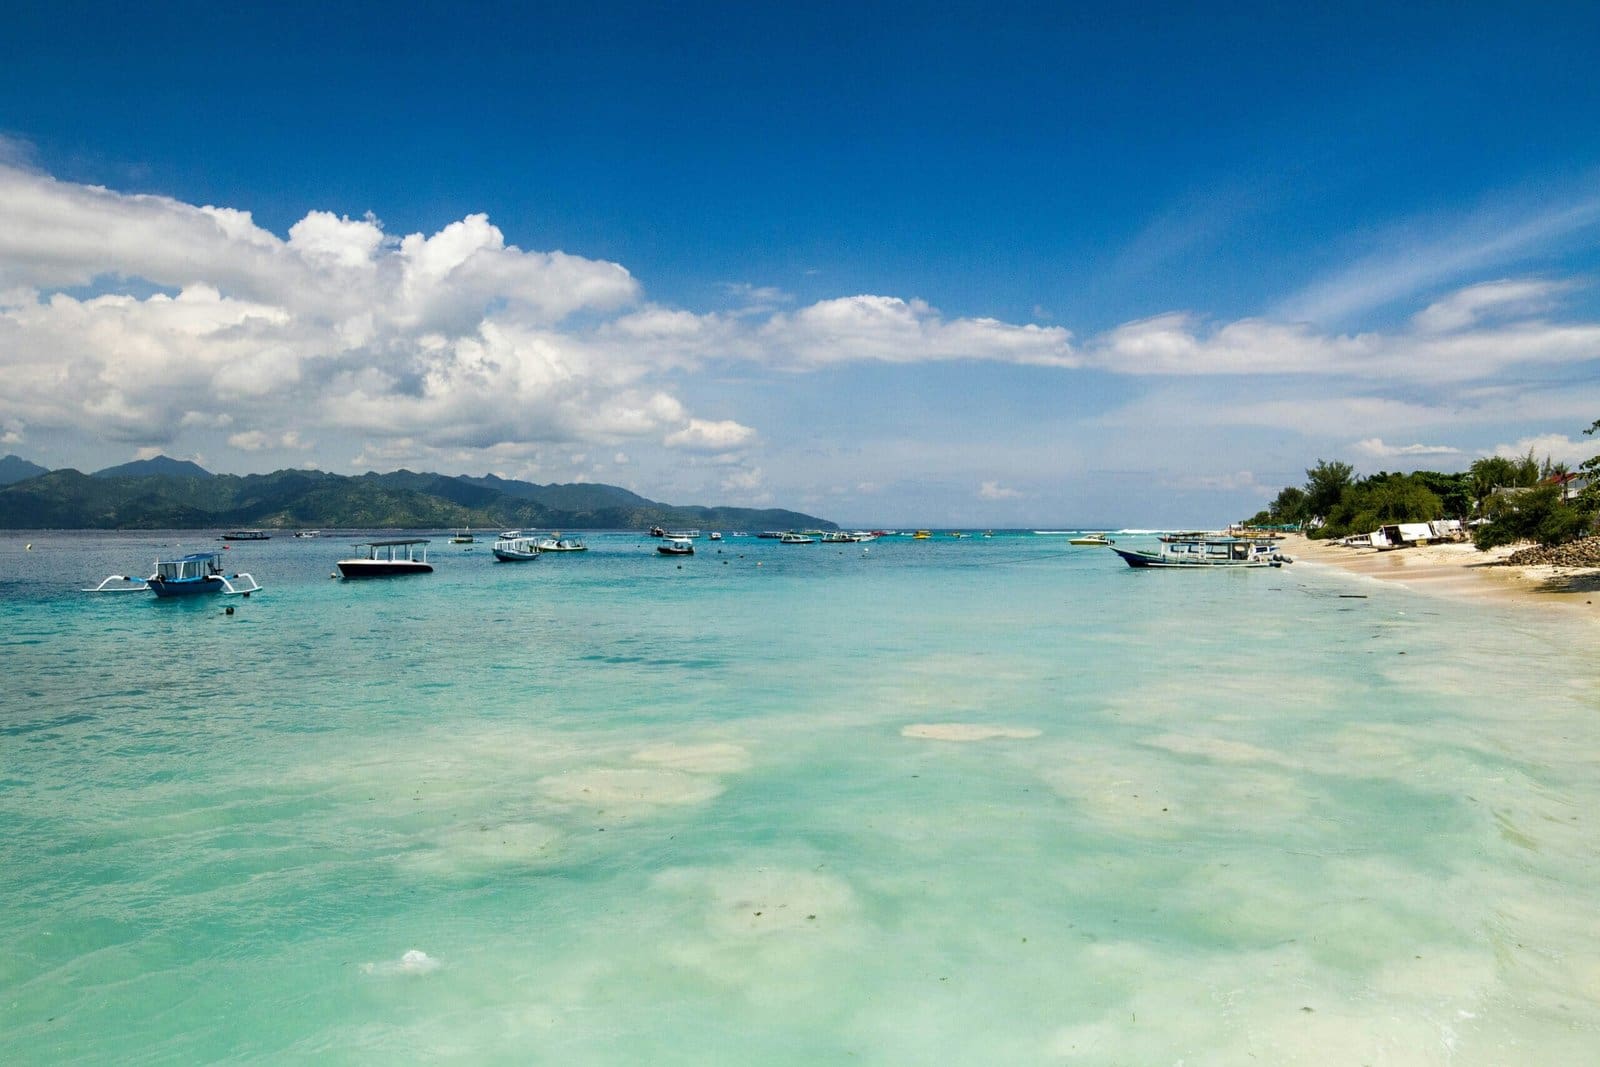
<point>1462,572</point>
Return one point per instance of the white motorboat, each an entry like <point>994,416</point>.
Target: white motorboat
<point>515,547</point>
<point>388,559</point>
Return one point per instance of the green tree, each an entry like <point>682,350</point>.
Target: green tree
<point>1325,484</point>
<point>1380,499</point>
<point>1489,473</point>
<point>1453,490</point>
<point>1289,507</point>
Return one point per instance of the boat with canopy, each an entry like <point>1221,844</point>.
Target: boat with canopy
<point>198,572</point>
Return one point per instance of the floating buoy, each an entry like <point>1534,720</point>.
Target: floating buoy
<point>30,546</point>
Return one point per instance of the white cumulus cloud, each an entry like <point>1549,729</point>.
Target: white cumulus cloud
<point>701,435</point>
<point>891,330</point>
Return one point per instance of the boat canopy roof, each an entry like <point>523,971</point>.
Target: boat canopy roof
<point>193,557</point>
<point>402,541</point>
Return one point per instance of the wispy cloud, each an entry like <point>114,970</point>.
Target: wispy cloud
<point>1437,347</point>
<point>1415,256</point>
<point>1507,297</point>
<point>750,299</point>
<point>1377,448</point>
<point>1195,221</point>
<point>1555,447</point>
<point>996,491</point>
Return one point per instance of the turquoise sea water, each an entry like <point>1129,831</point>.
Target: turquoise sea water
<point>979,801</point>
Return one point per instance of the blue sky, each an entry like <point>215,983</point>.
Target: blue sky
<point>912,264</point>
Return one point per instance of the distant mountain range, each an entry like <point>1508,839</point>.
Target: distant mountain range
<point>15,469</point>
<point>160,465</point>
<point>163,493</point>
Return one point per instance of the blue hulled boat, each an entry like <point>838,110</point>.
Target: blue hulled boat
<point>191,575</point>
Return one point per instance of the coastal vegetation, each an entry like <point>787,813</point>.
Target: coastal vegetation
<point>167,494</point>
<point>1504,500</point>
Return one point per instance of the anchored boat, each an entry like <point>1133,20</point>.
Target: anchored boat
<point>1205,550</point>
<point>388,559</point>
<point>515,547</point>
<point>198,572</point>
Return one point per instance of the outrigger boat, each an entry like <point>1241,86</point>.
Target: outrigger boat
<point>1199,550</point>
<point>388,559</point>
<point>557,543</point>
<point>1091,539</point>
<point>198,572</point>
<point>675,546</point>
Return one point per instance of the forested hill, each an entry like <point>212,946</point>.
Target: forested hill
<point>185,496</point>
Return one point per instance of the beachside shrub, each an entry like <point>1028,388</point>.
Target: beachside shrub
<point>1538,514</point>
<point>1590,469</point>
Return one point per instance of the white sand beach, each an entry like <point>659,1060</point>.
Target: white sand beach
<point>1462,571</point>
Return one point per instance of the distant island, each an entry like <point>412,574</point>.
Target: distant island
<point>166,494</point>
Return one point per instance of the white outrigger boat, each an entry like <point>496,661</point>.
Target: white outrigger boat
<point>1199,550</point>
<point>198,572</point>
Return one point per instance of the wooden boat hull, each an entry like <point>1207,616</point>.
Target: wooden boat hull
<point>194,587</point>
<point>383,568</point>
<point>1148,559</point>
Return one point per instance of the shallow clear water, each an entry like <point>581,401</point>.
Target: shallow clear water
<point>958,801</point>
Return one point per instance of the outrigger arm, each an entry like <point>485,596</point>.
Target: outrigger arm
<point>142,586</point>
<point>228,588</point>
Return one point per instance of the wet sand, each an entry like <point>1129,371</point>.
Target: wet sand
<point>1461,571</point>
